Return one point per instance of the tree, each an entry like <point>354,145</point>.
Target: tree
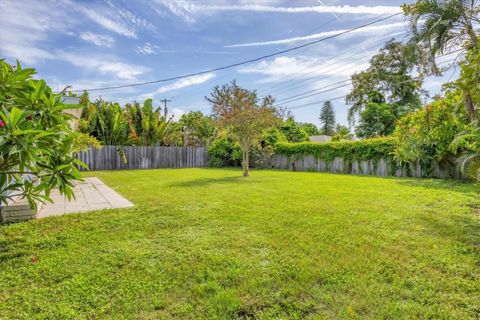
<point>244,115</point>
<point>293,131</point>
<point>342,133</point>
<point>36,141</point>
<point>327,119</point>
<point>444,25</point>
<point>389,74</point>
<point>197,128</point>
<point>309,128</point>
<point>378,118</point>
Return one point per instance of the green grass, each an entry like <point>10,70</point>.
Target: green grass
<point>206,243</point>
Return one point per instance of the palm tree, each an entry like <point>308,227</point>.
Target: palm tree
<point>469,141</point>
<point>444,25</point>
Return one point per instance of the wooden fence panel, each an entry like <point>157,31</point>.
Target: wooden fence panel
<point>380,167</point>
<point>144,157</point>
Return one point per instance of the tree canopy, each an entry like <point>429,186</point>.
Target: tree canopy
<point>244,115</point>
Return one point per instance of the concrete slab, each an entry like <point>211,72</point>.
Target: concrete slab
<point>91,194</point>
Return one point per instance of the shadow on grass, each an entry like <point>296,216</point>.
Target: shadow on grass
<point>201,182</point>
<point>442,184</point>
<point>462,228</point>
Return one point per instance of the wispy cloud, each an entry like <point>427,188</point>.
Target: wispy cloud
<point>380,29</point>
<point>188,11</point>
<point>98,39</point>
<point>180,84</point>
<point>304,67</point>
<point>104,65</point>
<point>147,48</point>
<point>115,19</point>
<point>24,28</point>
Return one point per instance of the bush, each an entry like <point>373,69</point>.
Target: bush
<point>224,152</point>
<point>348,150</point>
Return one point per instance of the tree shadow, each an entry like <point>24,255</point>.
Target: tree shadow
<point>202,182</point>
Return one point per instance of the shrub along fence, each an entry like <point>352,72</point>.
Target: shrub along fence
<point>367,157</point>
<point>143,157</point>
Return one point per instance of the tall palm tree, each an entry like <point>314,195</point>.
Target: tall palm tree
<point>438,26</point>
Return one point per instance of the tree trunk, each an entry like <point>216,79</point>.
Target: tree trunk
<point>245,163</point>
<point>469,106</point>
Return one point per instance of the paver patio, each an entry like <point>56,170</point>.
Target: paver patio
<point>91,194</point>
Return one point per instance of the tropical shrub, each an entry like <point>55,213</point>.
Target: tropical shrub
<point>425,135</point>
<point>36,141</point>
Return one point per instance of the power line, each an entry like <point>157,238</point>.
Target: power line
<point>336,98</point>
<point>242,62</point>
<point>338,58</point>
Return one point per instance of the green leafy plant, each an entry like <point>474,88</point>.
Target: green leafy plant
<point>348,150</point>
<point>36,141</point>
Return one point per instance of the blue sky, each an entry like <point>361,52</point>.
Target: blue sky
<point>90,44</point>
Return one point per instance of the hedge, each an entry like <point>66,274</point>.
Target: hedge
<point>369,149</point>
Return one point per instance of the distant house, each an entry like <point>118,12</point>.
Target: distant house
<point>322,138</point>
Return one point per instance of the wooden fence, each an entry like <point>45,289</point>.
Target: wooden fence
<point>144,157</point>
<point>380,167</point>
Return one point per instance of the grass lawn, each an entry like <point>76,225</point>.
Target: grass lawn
<point>207,243</point>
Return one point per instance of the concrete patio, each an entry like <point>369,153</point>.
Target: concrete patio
<point>91,194</point>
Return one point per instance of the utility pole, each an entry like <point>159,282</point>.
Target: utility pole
<point>165,107</point>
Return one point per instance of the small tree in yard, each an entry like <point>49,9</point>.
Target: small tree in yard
<point>35,138</point>
<point>244,115</point>
<point>327,119</point>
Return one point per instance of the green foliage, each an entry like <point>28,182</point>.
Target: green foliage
<point>342,133</point>
<point>244,115</point>
<point>224,151</point>
<point>309,128</point>
<point>327,119</point>
<point>444,25</point>
<point>36,141</point>
<point>389,75</point>
<point>426,134</point>
<point>293,131</point>
<point>377,119</point>
<point>469,81</point>
<point>106,122</point>
<point>349,150</point>
<point>147,127</point>
<point>198,129</point>
<point>467,144</point>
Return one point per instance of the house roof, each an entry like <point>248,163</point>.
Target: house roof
<point>321,138</point>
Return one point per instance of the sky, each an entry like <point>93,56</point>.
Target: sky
<point>92,44</point>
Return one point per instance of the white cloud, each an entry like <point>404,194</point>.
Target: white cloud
<point>104,65</point>
<point>306,67</point>
<point>109,23</point>
<point>115,19</point>
<point>377,30</point>
<point>188,11</point>
<point>98,39</point>
<point>176,113</point>
<point>147,49</point>
<point>179,84</point>
<point>24,26</point>
<point>377,10</point>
